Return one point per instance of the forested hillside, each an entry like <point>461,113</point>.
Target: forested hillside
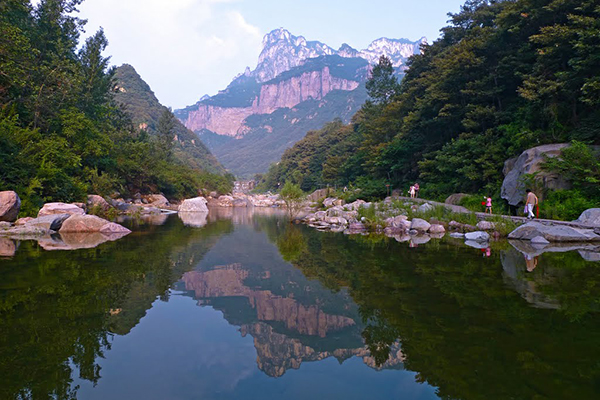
<point>62,135</point>
<point>145,110</point>
<point>505,76</point>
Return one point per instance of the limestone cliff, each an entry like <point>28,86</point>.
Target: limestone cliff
<point>275,94</point>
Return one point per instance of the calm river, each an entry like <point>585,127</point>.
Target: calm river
<point>246,306</point>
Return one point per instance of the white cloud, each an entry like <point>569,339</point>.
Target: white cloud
<point>182,48</point>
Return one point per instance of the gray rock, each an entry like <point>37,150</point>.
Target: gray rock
<point>478,236</point>
<point>95,201</point>
<point>320,215</point>
<point>197,204</point>
<point>457,235</point>
<point>553,233</point>
<point>486,226</point>
<point>590,217</point>
<point>423,208</point>
<point>158,200</point>
<point>239,203</point>
<point>5,225</point>
<point>420,239</point>
<point>529,162</point>
<point>10,205</point>
<point>437,229</point>
<point>420,225</point>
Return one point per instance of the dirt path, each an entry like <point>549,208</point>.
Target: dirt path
<point>484,216</point>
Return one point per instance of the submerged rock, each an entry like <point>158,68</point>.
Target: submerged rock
<point>193,219</point>
<point>10,205</point>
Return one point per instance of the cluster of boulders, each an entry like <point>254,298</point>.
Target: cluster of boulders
<point>65,219</point>
<point>239,199</point>
<point>340,217</point>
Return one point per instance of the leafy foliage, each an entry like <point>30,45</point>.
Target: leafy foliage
<point>62,134</point>
<point>505,76</point>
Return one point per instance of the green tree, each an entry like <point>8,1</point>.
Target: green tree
<point>382,85</point>
<point>293,197</point>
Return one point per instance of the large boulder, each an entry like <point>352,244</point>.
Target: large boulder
<point>317,195</point>
<point>529,162</point>
<point>553,233</point>
<point>49,222</point>
<point>486,226</point>
<point>60,208</point>
<point>197,204</point>
<point>239,203</point>
<point>420,225</point>
<point>590,217</point>
<point>437,229</point>
<point>158,200</point>
<point>91,223</point>
<point>10,204</point>
<point>478,236</point>
<point>98,202</point>
<point>455,198</point>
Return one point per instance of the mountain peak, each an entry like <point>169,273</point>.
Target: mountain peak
<point>283,51</point>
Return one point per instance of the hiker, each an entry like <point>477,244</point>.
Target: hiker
<point>417,188</point>
<point>412,192</point>
<point>530,203</point>
<point>488,205</point>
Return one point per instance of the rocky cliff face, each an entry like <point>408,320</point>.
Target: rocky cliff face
<point>273,95</point>
<point>292,74</point>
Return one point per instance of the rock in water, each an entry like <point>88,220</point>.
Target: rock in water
<point>10,204</point>
<point>479,237</point>
<point>197,204</point>
<point>590,217</point>
<point>553,233</point>
<point>437,229</point>
<point>91,223</point>
<point>8,248</point>
<point>49,222</point>
<point>60,208</point>
<point>420,225</point>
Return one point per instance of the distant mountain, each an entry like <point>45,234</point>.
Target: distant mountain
<point>297,86</point>
<point>145,110</point>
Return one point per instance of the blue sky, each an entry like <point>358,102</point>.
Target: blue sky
<point>187,48</point>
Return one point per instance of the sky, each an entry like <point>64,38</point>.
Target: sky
<point>187,48</point>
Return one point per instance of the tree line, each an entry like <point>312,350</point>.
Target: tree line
<point>503,77</point>
<point>62,134</point>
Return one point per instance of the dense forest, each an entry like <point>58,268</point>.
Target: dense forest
<point>503,77</point>
<point>62,133</point>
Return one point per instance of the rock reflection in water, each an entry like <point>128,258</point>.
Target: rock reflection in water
<point>193,219</point>
<point>281,326</point>
<point>77,240</point>
<point>8,247</point>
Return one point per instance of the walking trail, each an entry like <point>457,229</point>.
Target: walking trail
<point>484,216</point>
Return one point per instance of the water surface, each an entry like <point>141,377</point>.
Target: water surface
<point>244,305</point>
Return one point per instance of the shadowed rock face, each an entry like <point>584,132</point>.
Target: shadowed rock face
<point>8,248</point>
<point>228,281</point>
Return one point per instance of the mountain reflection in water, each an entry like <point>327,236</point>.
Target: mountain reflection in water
<point>185,312</point>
